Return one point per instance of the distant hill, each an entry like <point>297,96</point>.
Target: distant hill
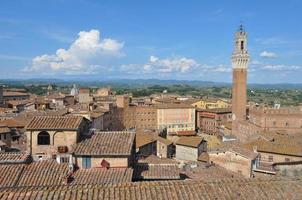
<point>133,83</point>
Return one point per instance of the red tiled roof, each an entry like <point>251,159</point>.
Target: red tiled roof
<point>55,123</point>
<point>4,129</point>
<point>13,158</point>
<point>192,141</point>
<point>156,172</point>
<point>9,174</point>
<point>107,143</point>
<point>233,188</point>
<point>9,93</point>
<point>43,173</point>
<point>102,176</point>
<point>186,133</point>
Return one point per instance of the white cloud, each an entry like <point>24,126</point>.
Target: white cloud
<point>85,54</point>
<point>221,68</point>
<point>172,66</point>
<point>168,65</point>
<point>282,67</point>
<point>272,41</point>
<point>267,54</point>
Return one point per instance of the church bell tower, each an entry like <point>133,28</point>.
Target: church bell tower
<point>240,59</point>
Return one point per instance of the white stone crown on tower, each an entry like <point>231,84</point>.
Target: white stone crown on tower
<point>240,56</point>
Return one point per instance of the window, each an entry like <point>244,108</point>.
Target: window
<point>86,162</point>
<point>64,160</point>
<point>287,159</point>
<point>43,138</point>
<point>242,45</point>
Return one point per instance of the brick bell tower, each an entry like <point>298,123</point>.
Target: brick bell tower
<point>240,59</point>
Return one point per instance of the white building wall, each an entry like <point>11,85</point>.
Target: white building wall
<point>186,153</point>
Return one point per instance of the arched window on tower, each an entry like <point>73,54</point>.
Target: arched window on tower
<point>242,45</point>
<point>43,138</point>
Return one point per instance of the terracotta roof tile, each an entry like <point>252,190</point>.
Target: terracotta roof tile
<point>144,171</point>
<point>9,174</point>
<point>107,143</point>
<point>215,189</point>
<point>10,93</point>
<point>193,141</point>
<point>43,173</point>
<point>142,139</point>
<point>288,147</point>
<point>186,133</point>
<point>55,123</point>
<point>4,129</point>
<point>13,158</point>
<point>102,176</point>
<point>236,147</point>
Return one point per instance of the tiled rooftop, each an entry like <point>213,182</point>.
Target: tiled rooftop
<point>11,93</point>
<point>186,133</point>
<point>191,141</point>
<point>155,168</point>
<point>144,171</point>
<point>43,173</point>
<point>4,129</point>
<point>144,138</point>
<point>218,189</point>
<point>102,176</point>
<point>216,110</point>
<point>107,144</point>
<point>55,123</point>
<point>9,174</point>
<point>13,158</point>
<point>277,143</point>
<point>236,147</point>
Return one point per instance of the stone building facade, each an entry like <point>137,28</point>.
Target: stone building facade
<point>209,121</point>
<point>190,148</point>
<point>175,117</point>
<point>106,149</point>
<point>234,161</point>
<point>48,136</point>
<point>282,119</point>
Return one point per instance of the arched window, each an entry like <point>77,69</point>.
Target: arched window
<point>43,138</point>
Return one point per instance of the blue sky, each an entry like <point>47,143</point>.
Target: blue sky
<point>185,40</point>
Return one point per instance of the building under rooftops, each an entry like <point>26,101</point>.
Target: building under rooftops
<point>175,117</point>
<point>51,136</point>
<point>209,120</point>
<point>12,95</point>
<point>5,135</point>
<point>276,148</point>
<point>235,157</point>
<point>106,149</point>
<point>190,148</point>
